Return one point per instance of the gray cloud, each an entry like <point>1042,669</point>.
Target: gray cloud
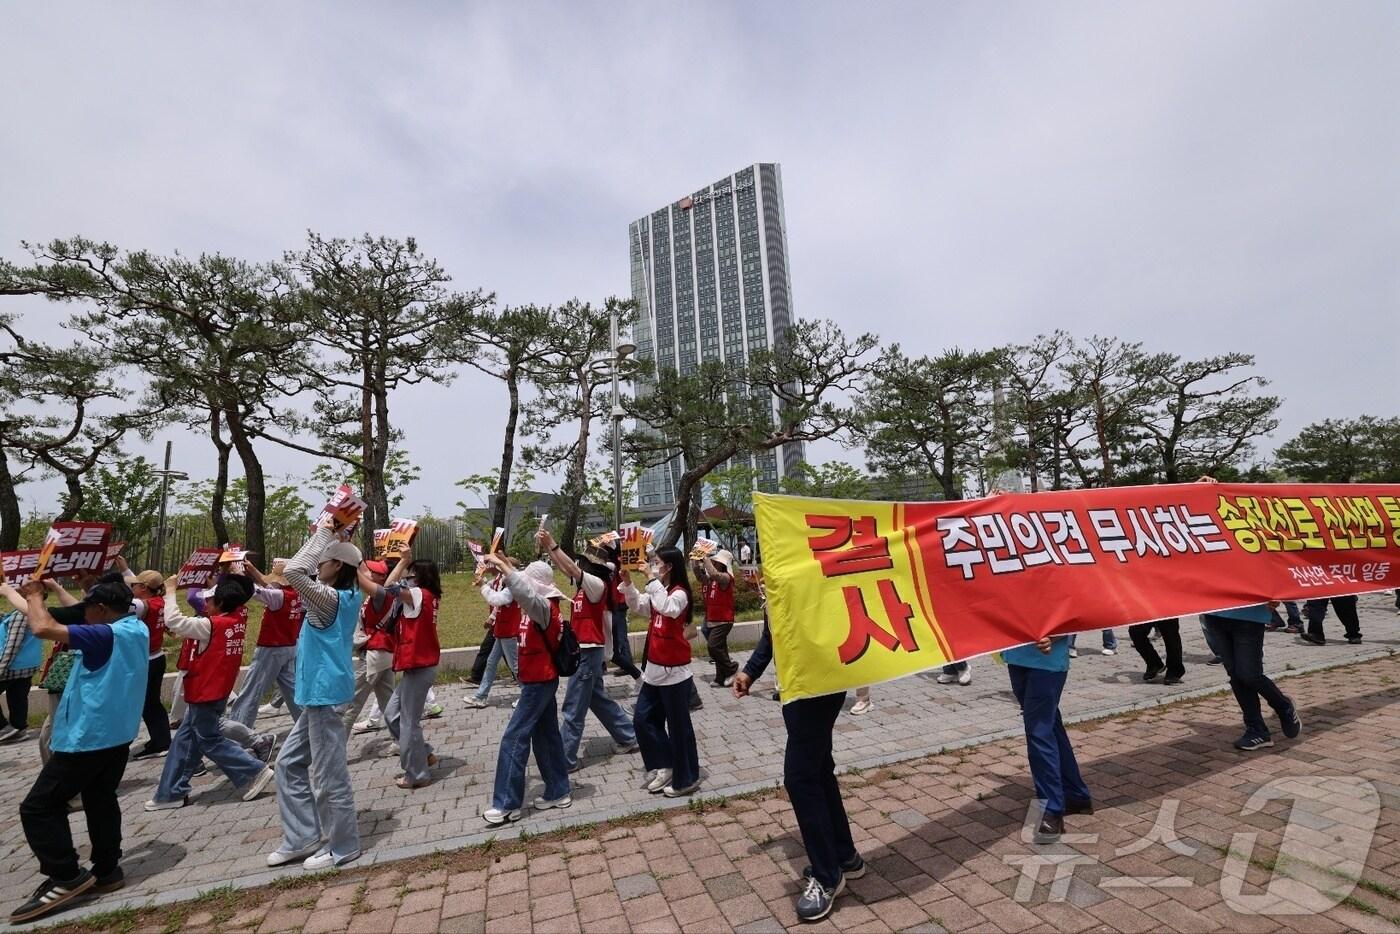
<point>1197,176</point>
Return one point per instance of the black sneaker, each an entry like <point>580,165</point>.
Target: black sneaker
<point>110,882</point>
<point>1250,742</point>
<point>1292,723</point>
<point>1049,829</point>
<point>1075,806</point>
<point>52,895</point>
<point>852,870</point>
<point>1353,640</point>
<point>201,769</point>
<point>149,752</point>
<point>1216,660</point>
<point>816,900</point>
<point>1153,672</point>
<point>1171,679</point>
<point>1311,639</point>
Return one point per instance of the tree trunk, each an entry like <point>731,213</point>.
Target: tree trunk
<point>498,511</point>
<point>10,517</point>
<point>74,500</point>
<point>220,493</point>
<point>254,537</point>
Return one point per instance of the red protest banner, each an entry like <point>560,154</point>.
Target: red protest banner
<point>73,548</point>
<point>343,511</point>
<point>113,549</point>
<point>861,592</point>
<point>18,566</point>
<point>200,568</point>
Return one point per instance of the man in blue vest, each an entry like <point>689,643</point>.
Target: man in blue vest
<point>97,721</point>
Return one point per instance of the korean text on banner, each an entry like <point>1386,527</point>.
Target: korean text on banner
<point>862,592</point>
<point>477,551</point>
<point>73,548</point>
<point>399,536</point>
<point>200,568</point>
<point>113,550</point>
<point>703,548</point>
<point>633,546</point>
<point>18,566</point>
<point>343,511</point>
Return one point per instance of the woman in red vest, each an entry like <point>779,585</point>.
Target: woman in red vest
<point>416,656</point>
<point>213,653</point>
<point>535,722</point>
<point>504,625</point>
<point>662,717</point>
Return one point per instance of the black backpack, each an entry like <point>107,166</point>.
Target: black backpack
<point>566,653</point>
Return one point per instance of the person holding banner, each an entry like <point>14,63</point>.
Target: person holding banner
<point>416,657</point>
<point>148,587</point>
<point>1038,672</point>
<point>591,624</point>
<point>374,643</point>
<point>1237,636</point>
<point>503,625</point>
<point>21,652</point>
<point>275,656</point>
<point>662,717</point>
<point>535,722</point>
<point>715,574</point>
<point>318,816</point>
<point>97,721</point>
<point>1170,630</point>
<point>215,650</point>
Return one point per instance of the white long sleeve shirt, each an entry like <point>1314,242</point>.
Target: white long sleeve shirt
<point>670,605</point>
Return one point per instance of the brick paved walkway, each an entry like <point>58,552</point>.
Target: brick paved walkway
<point>936,831</point>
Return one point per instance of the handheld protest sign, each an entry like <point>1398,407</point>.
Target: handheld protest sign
<point>496,537</point>
<point>381,544</point>
<point>17,567</point>
<point>703,548</point>
<point>200,568</point>
<point>398,537</point>
<point>73,548</point>
<point>342,513</point>
<point>113,551</point>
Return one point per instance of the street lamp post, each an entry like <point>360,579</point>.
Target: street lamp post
<point>620,351</point>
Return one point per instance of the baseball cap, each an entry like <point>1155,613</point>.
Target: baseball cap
<point>151,580</point>
<point>377,567</point>
<point>343,552</point>
<point>113,595</point>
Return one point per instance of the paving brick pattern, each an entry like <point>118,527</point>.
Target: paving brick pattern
<point>937,832</point>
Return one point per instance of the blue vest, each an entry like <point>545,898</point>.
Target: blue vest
<point>324,673</point>
<point>1028,656</point>
<point>31,648</point>
<point>101,709</point>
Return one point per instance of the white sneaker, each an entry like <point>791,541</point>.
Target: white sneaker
<point>945,678</point>
<point>392,752</point>
<point>327,859</point>
<point>269,710</point>
<point>861,706</point>
<point>471,700</point>
<point>660,780</point>
<point>671,791</point>
<point>281,857</point>
<point>154,805</point>
<point>1110,651</point>
<point>367,726</point>
<point>646,779</point>
<point>431,712</point>
<point>515,703</point>
<point>965,677</point>
<point>1073,652</point>
<point>541,804</point>
<point>258,785</point>
<point>496,817</point>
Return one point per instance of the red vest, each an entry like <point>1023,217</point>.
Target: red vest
<point>666,642</point>
<point>416,642</point>
<point>505,620</point>
<point>380,640</point>
<point>719,602</point>
<point>281,627</point>
<point>211,673</point>
<point>536,660</point>
<point>155,621</point>
<point>189,648</point>
<point>588,619</point>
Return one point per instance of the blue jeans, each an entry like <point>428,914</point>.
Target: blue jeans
<point>501,648</point>
<point>199,736</point>
<point>314,795</point>
<point>1240,644</point>
<point>622,645</point>
<point>1110,640</point>
<point>272,664</point>
<point>533,724</point>
<point>1053,766</point>
<point>664,731</point>
<point>584,693</point>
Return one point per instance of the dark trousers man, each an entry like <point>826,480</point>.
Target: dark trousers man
<point>1316,611</point>
<point>44,811</point>
<point>153,714</point>
<point>1054,768</point>
<point>1240,643</point>
<point>718,641</point>
<point>1141,636</point>
<point>482,654</point>
<point>809,774</point>
<point>17,701</point>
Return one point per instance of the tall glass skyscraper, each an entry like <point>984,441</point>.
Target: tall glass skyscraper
<point>710,277</point>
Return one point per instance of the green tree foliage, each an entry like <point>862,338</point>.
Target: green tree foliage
<point>286,511</point>
<point>731,489</point>
<point>1353,450</point>
<point>829,480</point>
<point>126,494</point>
<point>399,471</point>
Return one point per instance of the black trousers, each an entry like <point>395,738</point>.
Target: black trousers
<point>809,775</point>
<point>17,700</point>
<point>1141,636</point>
<point>482,654</point>
<point>153,714</point>
<point>44,811</point>
<point>718,641</point>
<point>1316,611</point>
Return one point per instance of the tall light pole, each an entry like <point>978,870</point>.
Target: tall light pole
<point>619,353</point>
<point>166,476</point>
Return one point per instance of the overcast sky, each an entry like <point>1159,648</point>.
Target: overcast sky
<point>1200,177</point>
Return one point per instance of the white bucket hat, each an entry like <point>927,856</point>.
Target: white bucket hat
<point>541,577</point>
<point>724,559</point>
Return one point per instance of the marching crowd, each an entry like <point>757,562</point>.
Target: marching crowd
<point>336,628</point>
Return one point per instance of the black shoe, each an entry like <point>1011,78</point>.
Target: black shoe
<point>1153,671</point>
<point>1292,723</point>
<point>150,752</point>
<point>1051,826</point>
<point>852,870</point>
<point>52,895</point>
<point>696,705</point>
<point>1171,679</point>
<point>1311,639</point>
<point>816,900</point>
<point>1353,640</point>
<point>1250,742</point>
<point>110,882</point>
<point>199,770</point>
<point>1074,806</point>
<point>1216,660</point>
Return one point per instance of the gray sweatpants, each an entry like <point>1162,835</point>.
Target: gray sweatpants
<point>382,685</point>
<point>272,664</point>
<point>314,794</point>
<point>403,716</point>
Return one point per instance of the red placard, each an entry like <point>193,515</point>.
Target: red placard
<point>200,568</point>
